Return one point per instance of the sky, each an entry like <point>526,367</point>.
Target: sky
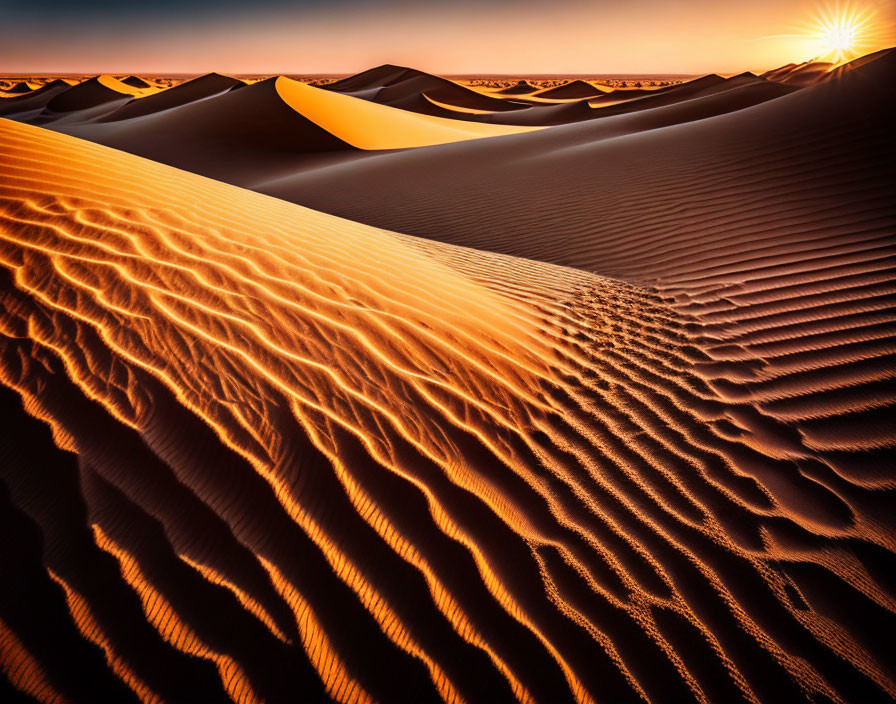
<point>520,37</point>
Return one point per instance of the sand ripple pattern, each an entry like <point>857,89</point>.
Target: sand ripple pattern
<point>261,454</point>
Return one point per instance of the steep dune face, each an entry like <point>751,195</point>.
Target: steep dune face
<point>284,456</point>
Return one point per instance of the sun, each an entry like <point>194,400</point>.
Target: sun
<point>840,37</point>
<point>842,32</point>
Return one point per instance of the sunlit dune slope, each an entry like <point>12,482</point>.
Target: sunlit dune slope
<point>258,453</point>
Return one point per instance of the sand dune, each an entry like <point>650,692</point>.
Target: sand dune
<point>20,87</point>
<point>405,88</point>
<point>572,89</point>
<point>273,472</point>
<point>268,129</point>
<point>135,82</point>
<point>819,70</point>
<point>32,102</point>
<point>368,125</point>
<point>100,92</point>
<point>188,92</point>
<point>519,88</point>
<point>234,135</point>
<point>805,74</point>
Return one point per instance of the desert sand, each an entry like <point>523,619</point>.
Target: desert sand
<point>409,408</point>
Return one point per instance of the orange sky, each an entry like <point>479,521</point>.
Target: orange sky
<point>505,36</point>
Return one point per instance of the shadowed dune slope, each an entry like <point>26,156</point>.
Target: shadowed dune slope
<point>809,169</point>
<point>287,457</point>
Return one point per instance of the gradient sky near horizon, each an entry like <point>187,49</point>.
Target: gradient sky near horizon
<point>464,36</point>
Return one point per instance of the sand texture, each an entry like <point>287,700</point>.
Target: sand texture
<point>600,412</point>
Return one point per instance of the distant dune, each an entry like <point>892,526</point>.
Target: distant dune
<point>187,92</point>
<point>135,82</point>
<point>100,92</point>
<point>596,413</point>
<point>20,87</point>
<point>572,89</point>
<point>404,88</point>
<point>36,100</point>
<point>519,88</point>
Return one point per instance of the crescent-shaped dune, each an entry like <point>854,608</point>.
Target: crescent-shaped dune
<point>369,125</point>
<point>260,453</point>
